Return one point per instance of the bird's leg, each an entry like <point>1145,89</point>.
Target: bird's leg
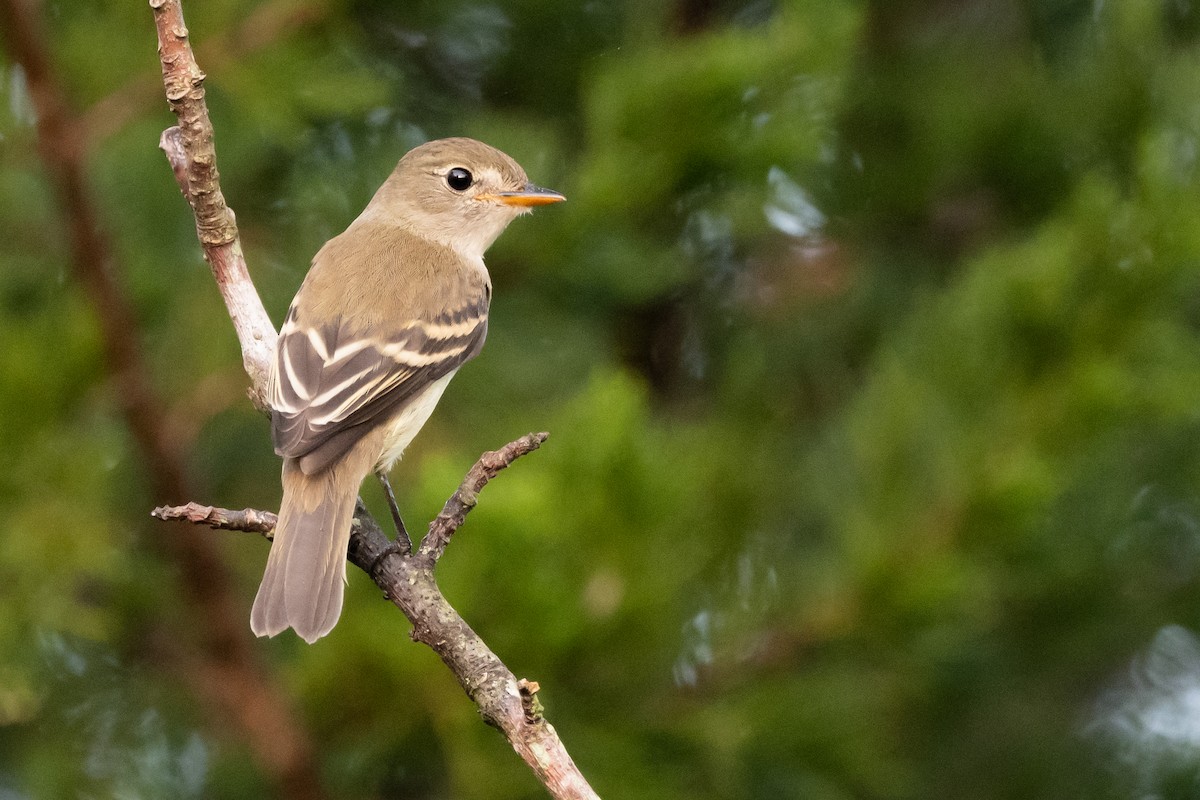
<point>403,542</point>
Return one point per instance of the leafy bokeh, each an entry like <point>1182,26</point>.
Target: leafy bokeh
<point>868,342</point>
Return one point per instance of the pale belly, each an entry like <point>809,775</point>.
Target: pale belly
<point>403,429</point>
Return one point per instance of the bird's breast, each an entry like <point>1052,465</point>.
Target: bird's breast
<point>401,430</point>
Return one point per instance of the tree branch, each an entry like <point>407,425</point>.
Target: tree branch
<point>462,501</point>
<point>248,519</point>
<point>407,579</point>
<point>504,702</point>
<point>189,148</point>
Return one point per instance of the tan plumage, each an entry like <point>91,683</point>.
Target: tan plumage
<point>389,311</point>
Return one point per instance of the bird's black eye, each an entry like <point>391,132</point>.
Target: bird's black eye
<point>459,179</point>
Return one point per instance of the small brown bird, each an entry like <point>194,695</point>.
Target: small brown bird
<point>390,310</point>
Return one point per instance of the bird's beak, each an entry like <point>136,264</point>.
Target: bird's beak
<point>527,197</point>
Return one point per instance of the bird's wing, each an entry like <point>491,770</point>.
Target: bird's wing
<point>331,385</point>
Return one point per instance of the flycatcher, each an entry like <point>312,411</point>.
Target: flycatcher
<point>389,311</point>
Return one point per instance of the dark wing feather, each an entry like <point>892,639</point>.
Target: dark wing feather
<point>332,384</point>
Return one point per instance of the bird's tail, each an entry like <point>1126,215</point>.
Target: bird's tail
<point>306,569</point>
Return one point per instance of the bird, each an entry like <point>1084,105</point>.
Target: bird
<point>389,311</point>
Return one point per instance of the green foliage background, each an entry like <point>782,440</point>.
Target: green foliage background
<point>868,342</point>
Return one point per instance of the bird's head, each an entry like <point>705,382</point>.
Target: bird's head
<point>459,192</point>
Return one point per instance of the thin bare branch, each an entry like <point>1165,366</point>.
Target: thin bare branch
<point>190,150</point>
<point>443,526</point>
<point>462,501</point>
<point>407,579</point>
<point>248,519</point>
